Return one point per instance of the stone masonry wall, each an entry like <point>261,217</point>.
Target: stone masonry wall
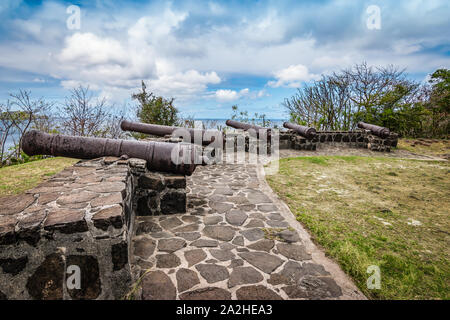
<point>357,139</point>
<point>80,219</point>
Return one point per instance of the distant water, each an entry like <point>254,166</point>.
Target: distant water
<point>214,123</point>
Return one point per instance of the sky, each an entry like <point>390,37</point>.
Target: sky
<point>210,55</point>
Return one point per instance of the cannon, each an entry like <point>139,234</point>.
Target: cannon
<point>246,126</point>
<point>160,156</point>
<point>376,130</point>
<point>207,136</point>
<point>306,132</point>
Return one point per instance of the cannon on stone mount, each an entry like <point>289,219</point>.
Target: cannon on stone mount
<point>306,132</point>
<point>247,126</point>
<point>206,136</point>
<point>374,129</point>
<point>160,156</point>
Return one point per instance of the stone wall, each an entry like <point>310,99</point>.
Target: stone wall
<point>357,139</point>
<point>80,222</point>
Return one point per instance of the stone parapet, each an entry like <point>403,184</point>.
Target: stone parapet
<point>69,237</point>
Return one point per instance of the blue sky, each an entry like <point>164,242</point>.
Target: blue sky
<point>209,55</point>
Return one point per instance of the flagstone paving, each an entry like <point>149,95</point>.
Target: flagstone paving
<point>237,241</point>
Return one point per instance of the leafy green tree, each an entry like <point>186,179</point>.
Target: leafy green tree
<point>156,110</point>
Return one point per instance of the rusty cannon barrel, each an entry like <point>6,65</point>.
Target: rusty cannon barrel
<point>306,132</point>
<point>381,132</point>
<point>206,136</point>
<point>160,156</point>
<point>246,126</point>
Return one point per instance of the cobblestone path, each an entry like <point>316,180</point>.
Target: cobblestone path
<point>237,241</point>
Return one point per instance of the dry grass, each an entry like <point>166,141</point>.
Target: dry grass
<point>431,147</point>
<point>376,211</point>
<point>19,178</point>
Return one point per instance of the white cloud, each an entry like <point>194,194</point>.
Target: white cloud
<point>292,76</point>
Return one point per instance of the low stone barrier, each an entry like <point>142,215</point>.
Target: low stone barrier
<point>69,238</point>
<point>357,139</point>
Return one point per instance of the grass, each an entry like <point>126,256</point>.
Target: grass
<point>432,147</point>
<point>376,211</point>
<point>21,177</point>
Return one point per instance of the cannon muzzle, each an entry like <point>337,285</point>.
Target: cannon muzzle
<point>306,132</point>
<point>160,156</point>
<point>381,132</point>
<point>197,136</point>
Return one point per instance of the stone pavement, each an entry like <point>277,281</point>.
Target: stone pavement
<point>237,241</point>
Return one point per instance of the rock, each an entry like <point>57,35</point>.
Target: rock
<point>239,241</point>
<point>190,219</point>
<point>261,260</point>
<point>277,217</point>
<point>236,217</point>
<point>194,256</point>
<point>210,293</point>
<point>151,180</point>
<point>13,266</point>
<point>256,293</point>
<point>223,233</point>
<point>294,252</point>
<point>90,287</point>
<point>255,223</point>
<point>293,271</point>
<point>277,224</point>
<point>111,216</point>
<point>3,296</point>
<point>222,255</point>
<point>244,275</point>
<point>144,247</point>
<point>156,285</point>
<point>147,227</point>
<point>45,198</point>
<point>267,208</point>
<point>173,202</point>
<point>189,228</point>
<point>46,283</point>
<point>171,245</point>
<point>169,260</point>
<point>170,223</point>
<point>288,236</point>
<point>175,181</point>
<point>209,220</point>
<point>7,225</point>
<point>221,207</point>
<point>226,246</point>
<point>186,279</point>
<point>119,255</point>
<point>313,288</point>
<point>262,245</point>
<point>257,197</point>
<point>201,243</point>
<point>115,198</point>
<point>236,263</point>
<point>15,204</point>
<point>66,221</point>
<point>189,236</point>
<point>107,187</point>
<point>77,197</point>
<point>253,234</point>
<point>212,273</point>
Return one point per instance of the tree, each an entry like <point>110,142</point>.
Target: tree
<point>154,109</point>
<point>84,117</point>
<point>381,96</point>
<point>438,103</point>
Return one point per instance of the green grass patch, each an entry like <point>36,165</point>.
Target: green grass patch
<point>365,211</point>
<point>21,177</point>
